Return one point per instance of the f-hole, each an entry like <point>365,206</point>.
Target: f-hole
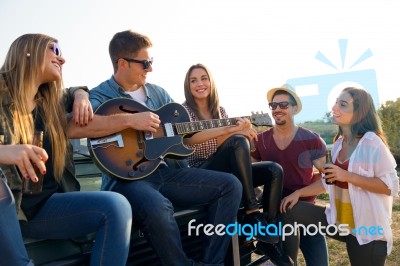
<point>121,107</point>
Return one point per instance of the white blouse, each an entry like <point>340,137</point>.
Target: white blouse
<point>371,158</point>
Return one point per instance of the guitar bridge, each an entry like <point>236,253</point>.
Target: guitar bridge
<point>113,138</point>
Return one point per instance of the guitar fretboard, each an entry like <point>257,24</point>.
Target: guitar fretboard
<point>192,127</point>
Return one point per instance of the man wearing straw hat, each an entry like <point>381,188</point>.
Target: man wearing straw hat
<point>298,151</point>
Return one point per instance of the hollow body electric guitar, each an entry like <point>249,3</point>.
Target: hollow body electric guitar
<point>132,154</point>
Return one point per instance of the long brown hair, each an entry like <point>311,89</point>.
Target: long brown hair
<point>365,117</point>
<point>213,99</point>
<point>24,62</point>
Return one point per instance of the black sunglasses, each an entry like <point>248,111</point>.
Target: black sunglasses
<point>282,105</point>
<point>145,63</point>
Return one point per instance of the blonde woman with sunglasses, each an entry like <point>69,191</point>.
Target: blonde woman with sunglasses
<point>32,98</point>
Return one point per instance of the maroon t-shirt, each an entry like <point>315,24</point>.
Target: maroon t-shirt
<point>296,160</point>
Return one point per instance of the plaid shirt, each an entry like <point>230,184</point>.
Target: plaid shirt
<point>203,150</point>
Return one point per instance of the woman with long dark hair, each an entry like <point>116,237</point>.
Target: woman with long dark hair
<point>365,182</point>
<point>227,149</point>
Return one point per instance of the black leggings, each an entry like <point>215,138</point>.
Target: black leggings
<point>233,156</point>
<point>373,253</point>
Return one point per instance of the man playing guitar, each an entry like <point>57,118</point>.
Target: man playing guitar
<point>171,183</point>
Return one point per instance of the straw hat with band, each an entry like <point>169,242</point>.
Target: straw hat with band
<point>289,90</point>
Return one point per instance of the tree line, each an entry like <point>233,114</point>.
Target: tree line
<point>390,116</point>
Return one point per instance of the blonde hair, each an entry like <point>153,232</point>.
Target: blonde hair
<point>213,99</point>
<point>23,64</point>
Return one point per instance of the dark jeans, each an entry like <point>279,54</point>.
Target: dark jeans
<point>373,253</point>
<point>314,249</point>
<point>152,200</point>
<point>233,156</point>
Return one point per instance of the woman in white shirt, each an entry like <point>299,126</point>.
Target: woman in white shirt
<point>365,182</point>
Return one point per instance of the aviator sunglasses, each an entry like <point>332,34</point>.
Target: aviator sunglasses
<point>282,105</point>
<point>145,63</point>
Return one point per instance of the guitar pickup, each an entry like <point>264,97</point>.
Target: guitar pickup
<point>169,130</point>
<point>113,138</point>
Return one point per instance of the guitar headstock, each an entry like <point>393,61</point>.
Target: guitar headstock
<point>261,119</point>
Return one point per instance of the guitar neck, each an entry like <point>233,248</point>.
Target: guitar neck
<point>196,126</point>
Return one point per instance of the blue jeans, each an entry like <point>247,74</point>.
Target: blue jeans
<point>75,214</point>
<point>12,251</point>
<point>314,250</point>
<point>152,201</point>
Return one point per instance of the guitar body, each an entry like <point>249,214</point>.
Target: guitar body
<point>133,154</point>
